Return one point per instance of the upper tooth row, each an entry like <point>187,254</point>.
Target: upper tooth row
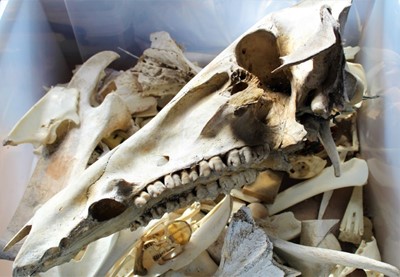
<point>237,158</point>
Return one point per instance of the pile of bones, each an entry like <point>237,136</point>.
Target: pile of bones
<point>247,167</point>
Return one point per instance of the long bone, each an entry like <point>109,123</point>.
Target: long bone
<point>237,116</point>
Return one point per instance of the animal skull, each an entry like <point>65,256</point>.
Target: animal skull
<point>250,109</point>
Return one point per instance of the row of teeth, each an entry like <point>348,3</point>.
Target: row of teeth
<point>235,160</point>
<point>202,191</point>
<point>209,179</point>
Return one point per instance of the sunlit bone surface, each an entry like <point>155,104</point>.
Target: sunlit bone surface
<point>244,112</point>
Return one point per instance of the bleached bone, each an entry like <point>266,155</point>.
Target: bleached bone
<point>284,226</point>
<point>313,232</point>
<point>352,224</point>
<point>258,210</point>
<point>306,167</point>
<point>244,236</point>
<point>160,73</point>
<point>203,265</point>
<point>245,112</point>
<point>57,114</point>
<point>366,249</point>
<point>40,125</point>
<point>318,259</point>
<point>163,69</point>
<point>266,186</point>
<point>355,173</point>
<point>67,157</point>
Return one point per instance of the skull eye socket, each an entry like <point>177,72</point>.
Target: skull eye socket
<point>259,54</point>
<point>106,209</point>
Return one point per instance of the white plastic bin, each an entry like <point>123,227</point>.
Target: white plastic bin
<point>40,38</point>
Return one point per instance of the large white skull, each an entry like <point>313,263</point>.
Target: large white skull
<point>248,110</point>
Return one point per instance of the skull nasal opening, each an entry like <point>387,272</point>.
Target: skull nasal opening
<point>106,209</point>
<point>258,53</point>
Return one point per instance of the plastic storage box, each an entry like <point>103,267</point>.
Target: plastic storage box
<point>40,41</point>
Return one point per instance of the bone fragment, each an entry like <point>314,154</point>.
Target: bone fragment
<point>266,186</point>
<point>40,125</point>
<point>326,197</point>
<point>55,170</point>
<point>284,225</point>
<point>163,69</point>
<point>237,204</point>
<point>240,195</point>
<point>368,229</point>
<point>357,71</point>
<point>306,167</point>
<point>313,232</point>
<point>365,249</point>
<point>325,136</point>
<point>354,173</point>
<point>351,52</point>
<point>215,249</point>
<point>202,265</point>
<point>126,86</point>
<point>318,257</point>
<point>243,236</point>
<point>330,242</point>
<point>258,210</point>
<point>352,225</point>
<point>161,72</point>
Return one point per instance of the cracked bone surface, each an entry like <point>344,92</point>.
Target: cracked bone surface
<point>252,107</point>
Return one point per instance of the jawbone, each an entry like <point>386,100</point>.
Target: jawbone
<point>238,116</point>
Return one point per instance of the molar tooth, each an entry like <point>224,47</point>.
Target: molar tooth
<point>205,170</point>
<point>152,191</point>
<point>154,213</point>
<point>244,178</point>
<point>250,176</point>
<point>182,200</point>
<point>245,155</point>
<point>259,153</point>
<point>226,183</point>
<point>169,182</point>
<point>212,189</point>
<point>177,179</point>
<point>238,180</point>
<point>157,212</point>
<point>155,189</point>
<point>190,197</point>
<point>185,177</point>
<point>145,195</point>
<point>216,164</point>
<point>193,174</point>
<point>171,205</point>
<point>161,209</point>
<point>139,201</point>
<point>201,192</point>
<point>233,158</point>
